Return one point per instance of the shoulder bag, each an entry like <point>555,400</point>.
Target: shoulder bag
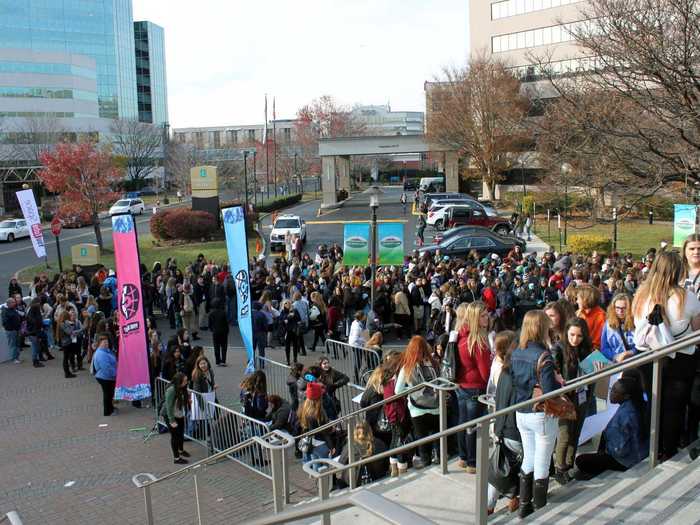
<point>427,397</point>
<point>560,406</point>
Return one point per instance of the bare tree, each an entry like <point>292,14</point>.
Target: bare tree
<point>479,111</point>
<point>32,136</point>
<point>139,144</point>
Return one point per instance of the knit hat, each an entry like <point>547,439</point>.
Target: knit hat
<point>314,390</point>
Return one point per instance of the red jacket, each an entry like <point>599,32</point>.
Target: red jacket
<point>473,369</point>
<point>490,299</point>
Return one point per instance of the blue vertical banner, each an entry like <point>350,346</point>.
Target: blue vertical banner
<point>356,244</point>
<point>237,247</point>
<point>391,246</point>
<point>684,219</point>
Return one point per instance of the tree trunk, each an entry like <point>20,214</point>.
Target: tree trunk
<point>489,188</point>
<point>98,231</point>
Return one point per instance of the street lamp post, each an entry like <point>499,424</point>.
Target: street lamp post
<point>615,229</point>
<point>374,193</point>
<point>245,177</point>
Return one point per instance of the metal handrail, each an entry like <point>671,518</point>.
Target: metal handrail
<point>646,357</point>
<point>12,517</point>
<point>374,503</point>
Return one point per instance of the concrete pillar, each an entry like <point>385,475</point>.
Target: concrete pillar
<point>451,171</point>
<point>342,164</point>
<point>328,181</point>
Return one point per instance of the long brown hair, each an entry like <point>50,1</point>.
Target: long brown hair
<point>417,351</point>
<point>661,284</point>
<point>364,439</point>
<point>535,329</point>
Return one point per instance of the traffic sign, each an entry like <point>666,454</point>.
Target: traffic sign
<point>56,226</point>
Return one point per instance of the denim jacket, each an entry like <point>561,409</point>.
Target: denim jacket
<point>524,373</point>
<point>623,436</point>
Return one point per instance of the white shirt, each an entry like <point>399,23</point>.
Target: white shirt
<point>356,334</point>
<point>678,322</point>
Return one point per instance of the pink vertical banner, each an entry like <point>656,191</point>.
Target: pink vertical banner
<point>133,380</point>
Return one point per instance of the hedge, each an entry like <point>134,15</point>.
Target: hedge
<point>278,203</point>
<point>587,244</point>
<point>182,224</point>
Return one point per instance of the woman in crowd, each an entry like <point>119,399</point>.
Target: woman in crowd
<point>175,409</point>
<point>187,309</point>
<point>365,445</point>
<point>416,368</point>
<point>318,319</point>
<point>358,330</point>
<point>568,354</point>
<point>203,376</point>
<point>681,313</point>
<point>218,324</point>
<point>537,429</point>
<point>396,413</point>
<point>35,329</point>
<point>280,415</point>
<point>402,312</point>
<point>625,441</point>
<point>332,380</point>
<point>691,259</point>
<point>473,370</point>
<point>295,374</point>
<point>556,311</point>
<point>104,301</point>
<point>311,416</point>
<point>104,367</point>
<point>617,340</point>
<point>291,324</point>
<point>335,319</point>
<point>69,330</point>
<point>254,395</point>
<point>173,364</point>
<point>588,301</point>
<point>503,343</point>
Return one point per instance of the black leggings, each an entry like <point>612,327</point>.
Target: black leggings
<point>423,426</point>
<point>107,395</point>
<point>319,335</point>
<point>291,340</point>
<point>177,437</point>
<point>220,342</point>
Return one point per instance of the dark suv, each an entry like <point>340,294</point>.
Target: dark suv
<point>463,216</point>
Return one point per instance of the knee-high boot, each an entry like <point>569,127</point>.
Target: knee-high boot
<point>526,494</point>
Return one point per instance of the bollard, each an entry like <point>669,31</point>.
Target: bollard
<point>278,475</point>
<point>351,452</point>
<point>324,490</point>
<point>482,473</point>
<point>655,415</point>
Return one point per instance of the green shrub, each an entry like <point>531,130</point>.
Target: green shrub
<point>587,244</point>
<point>661,206</point>
<point>279,202</point>
<point>182,224</point>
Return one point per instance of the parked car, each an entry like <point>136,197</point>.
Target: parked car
<point>438,211</point>
<point>476,230</point>
<point>133,206</point>
<point>431,183</point>
<point>12,229</point>
<point>473,216</point>
<point>77,220</point>
<point>484,243</point>
<point>286,223</point>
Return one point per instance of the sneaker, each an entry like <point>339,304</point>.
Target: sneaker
<point>462,464</point>
<point>17,361</point>
<point>180,461</point>
<point>418,463</point>
<point>223,364</point>
<point>471,470</point>
<point>38,364</point>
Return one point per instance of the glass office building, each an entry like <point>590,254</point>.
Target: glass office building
<point>100,29</point>
<point>151,85</point>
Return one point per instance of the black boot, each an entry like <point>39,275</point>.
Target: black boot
<point>539,498</point>
<point>526,494</point>
<point>562,476</point>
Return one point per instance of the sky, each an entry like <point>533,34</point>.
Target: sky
<point>222,56</point>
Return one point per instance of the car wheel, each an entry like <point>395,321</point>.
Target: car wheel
<point>10,237</point>
<point>502,230</point>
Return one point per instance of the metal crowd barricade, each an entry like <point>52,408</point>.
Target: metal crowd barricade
<point>229,428</point>
<point>354,361</point>
<point>276,374</point>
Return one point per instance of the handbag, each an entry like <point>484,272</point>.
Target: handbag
<point>383,424</point>
<point>427,397</point>
<point>560,406</point>
<point>448,365</point>
<point>503,468</point>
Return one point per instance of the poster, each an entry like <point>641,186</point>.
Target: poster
<point>356,244</point>
<point>683,222</point>
<point>390,240</point>
<point>31,215</point>
<point>133,380</point>
<point>237,248</point>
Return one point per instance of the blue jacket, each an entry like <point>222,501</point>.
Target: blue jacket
<point>623,436</point>
<point>111,283</point>
<point>524,372</point>
<point>105,364</point>
<point>611,342</point>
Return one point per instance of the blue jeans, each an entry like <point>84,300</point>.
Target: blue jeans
<point>36,347</point>
<point>318,452</point>
<point>469,408</point>
<point>13,343</point>
<point>539,434</point>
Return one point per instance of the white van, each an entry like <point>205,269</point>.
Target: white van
<point>438,184</point>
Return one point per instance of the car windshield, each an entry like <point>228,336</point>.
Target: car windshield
<point>122,203</point>
<point>7,224</point>
<point>287,223</point>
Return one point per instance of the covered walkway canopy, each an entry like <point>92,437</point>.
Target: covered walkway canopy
<point>335,156</point>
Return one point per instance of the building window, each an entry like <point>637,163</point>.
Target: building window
<point>251,135</point>
<point>232,136</point>
<point>287,135</point>
<point>217,139</point>
<point>535,37</point>
<point>508,8</point>
<point>533,72</point>
<point>199,138</point>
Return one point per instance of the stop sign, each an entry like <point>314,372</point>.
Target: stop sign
<point>56,226</point>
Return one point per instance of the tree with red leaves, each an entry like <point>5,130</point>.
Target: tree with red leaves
<point>83,175</point>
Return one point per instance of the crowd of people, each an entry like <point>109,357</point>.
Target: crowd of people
<point>514,326</point>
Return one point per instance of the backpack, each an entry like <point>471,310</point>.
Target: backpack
<point>448,365</point>
<point>187,304</point>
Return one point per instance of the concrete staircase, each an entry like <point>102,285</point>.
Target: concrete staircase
<point>670,493</point>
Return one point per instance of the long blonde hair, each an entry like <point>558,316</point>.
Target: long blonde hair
<point>478,336</point>
<point>311,410</point>
<point>461,318</point>
<point>535,329</point>
<point>661,284</point>
<point>317,299</point>
<point>613,321</point>
<point>364,439</point>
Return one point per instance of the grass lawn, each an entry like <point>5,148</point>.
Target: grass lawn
<point>185,253</point>
<point>632,236</point>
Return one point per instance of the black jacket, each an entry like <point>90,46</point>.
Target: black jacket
<point>11,320</point>
<point>280,417</point>
<point>218,323</point>
<point>505,426</point>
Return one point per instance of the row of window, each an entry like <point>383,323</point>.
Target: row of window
<point>536,37</point>
<point>48,138</point>
<point>54,114</point>
<point>530,73</point>
<point>508,8</point>
<point>40,92</point>
<point>47,68</point>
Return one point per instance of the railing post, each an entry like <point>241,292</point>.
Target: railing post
<point>352,478</point>
<point>482,473</point>
<point>278,484</point>
<point>324,491</point>
<point>196,498</point>
<point>655,422</point>
<point>442,396</point>
<point>149,504</point>
<point>285,466</point>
